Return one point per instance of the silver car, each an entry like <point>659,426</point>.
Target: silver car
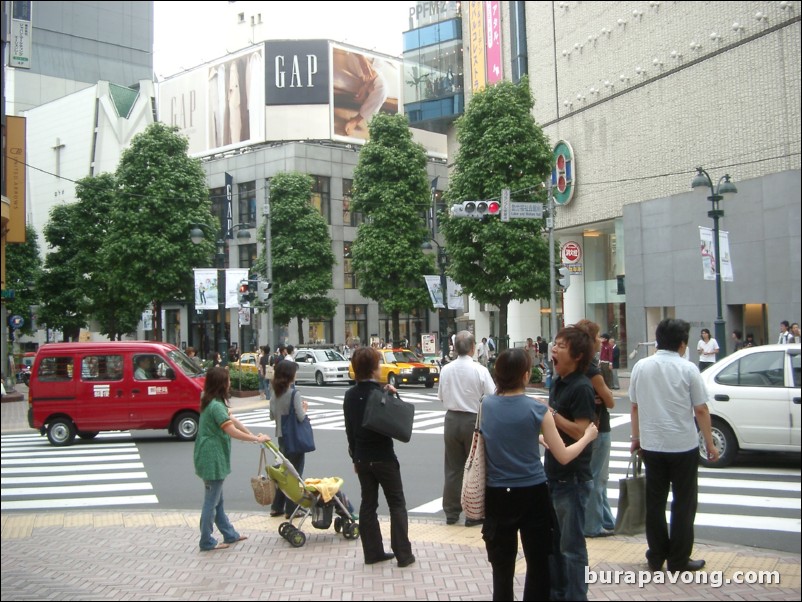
<point>321,366</point>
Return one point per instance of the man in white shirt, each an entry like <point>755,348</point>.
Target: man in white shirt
<point>481,352</point>
<point>669,400</point>
<point>463,383</point>
<point>785,335</point>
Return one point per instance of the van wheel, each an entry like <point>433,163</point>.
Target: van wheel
<point>185,426</point>
<point>319,379</point>
<point>61,432</point>
<point>87,434</point>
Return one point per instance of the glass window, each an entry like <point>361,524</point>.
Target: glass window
<point>356,325</point>
<point>247,255</point>
<point>218,198</point>
<point>148,366</point>
<point>321,196</point>
<point>102,367</point>
<point>247,203</point>
<point>764,369</point>
<point>55,369</point>
<point>350,218</point>
<point>321,331</point>
<point>349,278</point>
<point>411,326</point>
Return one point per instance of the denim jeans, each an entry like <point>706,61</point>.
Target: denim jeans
<point>571,555</point>
<point>214,514</point>
<point>598,514</point>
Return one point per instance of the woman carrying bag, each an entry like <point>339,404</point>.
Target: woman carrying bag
<point>284,395</point>
<point>517,495</point>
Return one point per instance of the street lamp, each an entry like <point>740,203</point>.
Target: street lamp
<point>196,235</point>
<point>723,190</point>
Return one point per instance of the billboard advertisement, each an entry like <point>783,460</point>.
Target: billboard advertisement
<point>297,72</point>
<point>362,85</point>
<point>219,105</point>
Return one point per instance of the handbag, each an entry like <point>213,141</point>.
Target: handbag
<point>630,518</point>
<point>296,437</point>
<point>474,478</point>
<point>264,488</point>
<point>388,415</point>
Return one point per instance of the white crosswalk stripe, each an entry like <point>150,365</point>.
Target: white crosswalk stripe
<point>106,472</point>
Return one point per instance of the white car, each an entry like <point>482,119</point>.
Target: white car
<point>754,401</point>
<point>321,366</point>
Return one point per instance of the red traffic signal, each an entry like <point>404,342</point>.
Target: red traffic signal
<point>243,287</point>
<point>493,208</point>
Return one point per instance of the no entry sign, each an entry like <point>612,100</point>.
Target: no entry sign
<point>571,252</point>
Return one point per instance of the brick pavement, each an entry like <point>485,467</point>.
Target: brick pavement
<point>107,555</point>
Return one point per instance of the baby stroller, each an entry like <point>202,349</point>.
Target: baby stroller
<point>318,498</point>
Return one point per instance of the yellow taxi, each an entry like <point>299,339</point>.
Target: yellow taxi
<point>246,363</point>
<point>403,367</point>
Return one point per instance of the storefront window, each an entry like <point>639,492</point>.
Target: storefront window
<point>356,325</point>
<point>410,326</point>
<point>320,331</point>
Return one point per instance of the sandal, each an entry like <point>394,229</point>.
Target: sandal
<point>240,538</point>
<point>220,546</point>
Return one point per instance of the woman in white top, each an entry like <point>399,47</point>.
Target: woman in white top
<point>707,348</point>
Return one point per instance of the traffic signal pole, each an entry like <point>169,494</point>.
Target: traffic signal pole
<point>269,268</point>
<point>552,280</point>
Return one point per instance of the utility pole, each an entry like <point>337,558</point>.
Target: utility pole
<point>269,267</point>
<point>552,282</point>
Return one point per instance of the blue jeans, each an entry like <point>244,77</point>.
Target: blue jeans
<point>571,555</point>
<point>214,514</point>
<point>598,514</point>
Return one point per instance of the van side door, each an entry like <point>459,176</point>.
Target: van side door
<point>104,396</point>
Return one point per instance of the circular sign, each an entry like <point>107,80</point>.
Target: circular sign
<point>16,322</point>
<point>571,252</point>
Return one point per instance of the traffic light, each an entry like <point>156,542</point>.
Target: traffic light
<point>564,276</point>
<point>476,209</point>
<point>265,291</point>
<point>244,292</point>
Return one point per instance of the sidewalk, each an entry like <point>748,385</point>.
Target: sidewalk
<point>115,555</point>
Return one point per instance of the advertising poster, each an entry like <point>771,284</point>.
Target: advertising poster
<point>236,100</point>
<point>205,289</point>
<point>362,85</point>
<point>708,247</point>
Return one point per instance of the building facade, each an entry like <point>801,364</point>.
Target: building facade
<point>643,93</point>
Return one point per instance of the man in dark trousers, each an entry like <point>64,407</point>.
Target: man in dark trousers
<point>669,401</point>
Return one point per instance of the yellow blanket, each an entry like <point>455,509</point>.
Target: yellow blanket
<point>327,488</point>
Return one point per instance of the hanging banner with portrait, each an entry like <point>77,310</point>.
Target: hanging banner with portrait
<point>706,235</point>
<point>205,289</point>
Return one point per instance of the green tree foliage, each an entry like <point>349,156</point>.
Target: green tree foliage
<point>23,267</point>
<point>161,196</point>
<point>501,146</point>
<point>301,253</point>
<point>61,284</point>
<point>392,191</point>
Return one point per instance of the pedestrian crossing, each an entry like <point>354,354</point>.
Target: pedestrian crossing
<point>108,471</point>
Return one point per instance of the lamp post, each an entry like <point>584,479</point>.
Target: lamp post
<point>442,314</point>
<point>724,189</point>
<point>196,235</point>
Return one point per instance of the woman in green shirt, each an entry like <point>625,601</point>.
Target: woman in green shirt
<point>213,457</point>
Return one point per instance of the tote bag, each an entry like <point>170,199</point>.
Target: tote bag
<point>296,437</point>
<point>631,516</point>
<point>389,415</point>
<point>264,488</point>
<point>474,476</point>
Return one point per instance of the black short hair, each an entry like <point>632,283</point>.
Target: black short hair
<point>510,366</point>
<point>671,333</point>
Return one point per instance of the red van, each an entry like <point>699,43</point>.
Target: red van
<point>84,388</point>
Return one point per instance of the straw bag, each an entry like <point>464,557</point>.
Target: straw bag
<point>264,488</point>
<point>474,479</point>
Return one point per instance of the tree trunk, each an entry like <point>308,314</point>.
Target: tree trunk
<point>157,321</point>
<point>300,330</point>
<point>503,336</point>
<point>396,328</point>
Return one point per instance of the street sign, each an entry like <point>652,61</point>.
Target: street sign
<point>16,322</point>
<point>571,252</point>
<point>526,210</point>
<point>505,205</point>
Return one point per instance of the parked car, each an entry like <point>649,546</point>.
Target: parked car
<point>403,367</point>
<point>754,401</point>
<point>322,366</point>
<point>246,363</point>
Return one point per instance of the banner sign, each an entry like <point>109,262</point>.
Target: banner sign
<point>708,254</point>
<point>436,293</point>
<point>233,278</point>
<point>205,289</point>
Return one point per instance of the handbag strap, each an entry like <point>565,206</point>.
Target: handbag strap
<point>477,428</point>
<point>292,403</point>
<point>262,461</point>
<point>636,464</point>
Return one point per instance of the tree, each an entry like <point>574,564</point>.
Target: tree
<point>23,267</point>
<point>61,283</point>
<point>161,197</point>
<point>392,191</point>
<point>301,253</point>
<point>501,146</point>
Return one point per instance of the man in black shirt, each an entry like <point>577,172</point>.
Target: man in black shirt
<point>572,403</point>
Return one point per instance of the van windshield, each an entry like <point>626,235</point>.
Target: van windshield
<point>183,361</point>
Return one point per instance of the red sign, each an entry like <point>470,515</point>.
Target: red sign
<point>571,252</point>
